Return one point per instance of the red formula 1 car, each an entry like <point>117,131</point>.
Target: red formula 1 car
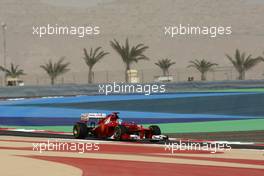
<point>104,126</point>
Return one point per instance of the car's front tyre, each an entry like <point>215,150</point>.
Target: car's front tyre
<point>119,131</point>
<point>155,130</point>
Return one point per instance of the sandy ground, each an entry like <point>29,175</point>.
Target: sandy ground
<point>140,21</point>
<point>131,158</point>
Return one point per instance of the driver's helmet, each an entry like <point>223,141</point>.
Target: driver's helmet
<point>115,115</point>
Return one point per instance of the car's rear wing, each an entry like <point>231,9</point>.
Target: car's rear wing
<point>89,116</point>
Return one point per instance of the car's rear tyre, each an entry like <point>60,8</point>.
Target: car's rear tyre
<point>155,130</point>
<point>80,131</point>
<point>119,131</point>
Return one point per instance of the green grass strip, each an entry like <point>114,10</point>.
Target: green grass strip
<point>217,126</point>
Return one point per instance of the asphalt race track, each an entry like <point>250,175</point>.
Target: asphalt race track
<point>202,118</point>
<point>175,113</point>
<point>196,138</point>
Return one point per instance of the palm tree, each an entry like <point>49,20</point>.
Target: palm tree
<point>202,66</point>
<point>13,72</point>
<point>55,69</point>
<point>164,65</point>
<point>243,63</point>
<point>91,59</point>
<point>129,54</point>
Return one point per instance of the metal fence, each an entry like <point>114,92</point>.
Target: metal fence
<point>145,76</point>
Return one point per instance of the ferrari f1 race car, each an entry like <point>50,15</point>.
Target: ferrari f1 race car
<point>100,125</point>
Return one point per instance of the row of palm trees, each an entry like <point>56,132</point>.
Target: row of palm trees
<point>241,62</point>
<point>129,55</point>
